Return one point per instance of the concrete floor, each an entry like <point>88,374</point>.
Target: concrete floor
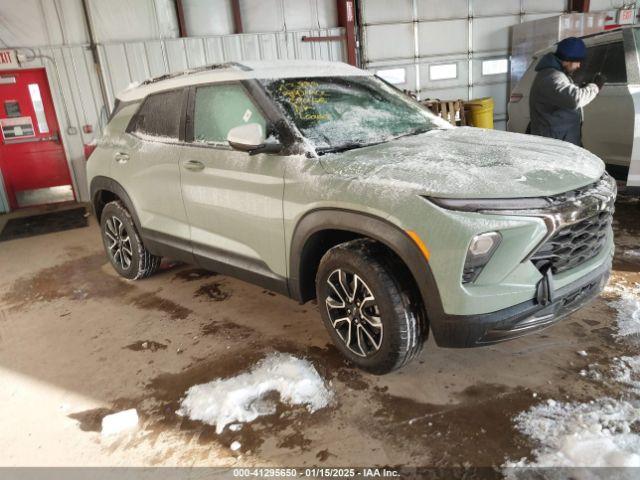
<point>71,335</point>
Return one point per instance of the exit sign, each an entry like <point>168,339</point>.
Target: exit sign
<point>8,59</point>
<point>626,16</point>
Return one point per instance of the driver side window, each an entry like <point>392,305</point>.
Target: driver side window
<point>608,59</point>
<point>219,108</point>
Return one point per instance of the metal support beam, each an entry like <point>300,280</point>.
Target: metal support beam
<point>94,53</point>
<point>581,6</point>
<point>182,27</point>
<point>347,20</point>
<point>237,16</point>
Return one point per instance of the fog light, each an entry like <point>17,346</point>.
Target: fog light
<point>480,251</point>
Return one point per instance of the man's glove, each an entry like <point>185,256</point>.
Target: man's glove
<point>599,80</point>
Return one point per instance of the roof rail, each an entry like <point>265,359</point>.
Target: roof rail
<point>204,68</point>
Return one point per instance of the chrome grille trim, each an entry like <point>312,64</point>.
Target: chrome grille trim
<point>570,208</point>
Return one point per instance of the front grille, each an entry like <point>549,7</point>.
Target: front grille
<point>574,244</point>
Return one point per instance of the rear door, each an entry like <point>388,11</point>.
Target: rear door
<point>32,157</point>
<point>233,199</point>
<point>147,165</point>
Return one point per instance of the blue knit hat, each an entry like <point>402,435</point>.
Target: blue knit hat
<point>571,49</point>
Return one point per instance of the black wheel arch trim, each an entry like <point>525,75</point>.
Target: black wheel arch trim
<point>100,184</point>
<point>367,225</point>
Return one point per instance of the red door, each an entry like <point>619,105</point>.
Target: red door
<point>32,157</point>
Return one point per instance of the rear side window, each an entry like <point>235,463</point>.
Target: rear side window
<point>219,108</point>
<point>609,60</point>
<point>160,115</point>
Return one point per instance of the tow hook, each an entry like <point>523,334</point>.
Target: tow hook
<point>545,290</point>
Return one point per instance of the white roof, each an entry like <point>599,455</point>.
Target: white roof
<point>242,71</point>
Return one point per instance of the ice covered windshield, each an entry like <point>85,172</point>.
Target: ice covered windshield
<point>340,113</point>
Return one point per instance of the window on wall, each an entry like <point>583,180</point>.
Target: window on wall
<point>443,71</point>
<point>160,114</point>
<point>219,108</point>
<point>394,76</point>
<point>495,66</point>
<point>609,60</point>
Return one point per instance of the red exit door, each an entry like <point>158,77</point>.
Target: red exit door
<point>32,158</point>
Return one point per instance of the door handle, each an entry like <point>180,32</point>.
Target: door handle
<point>194,165</point>
<point>121,157</point>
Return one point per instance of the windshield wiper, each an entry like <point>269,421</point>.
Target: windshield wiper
<point>344,147</point>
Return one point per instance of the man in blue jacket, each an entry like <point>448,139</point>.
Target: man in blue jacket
<point>555,101</point>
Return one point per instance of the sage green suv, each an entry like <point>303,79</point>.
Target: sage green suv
<point>320,181</point>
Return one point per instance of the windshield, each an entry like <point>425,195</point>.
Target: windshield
<point>340,113</point>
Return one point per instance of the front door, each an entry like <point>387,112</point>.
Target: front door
<point>233,200</point>
<point>32,159</point>
<point>607,130</point>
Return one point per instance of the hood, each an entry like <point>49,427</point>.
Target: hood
<point>549,61</point>
<point>470,163</point>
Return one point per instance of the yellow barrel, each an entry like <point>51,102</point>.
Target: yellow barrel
<point>479,112</point>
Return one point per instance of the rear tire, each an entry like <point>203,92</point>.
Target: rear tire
<point>123,245</point>
<point>369,307</point>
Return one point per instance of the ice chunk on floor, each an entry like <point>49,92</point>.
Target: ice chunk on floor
<point>627,306</point>
<point>241,398</point>
<point>600,433</point>
<point>119,422</point>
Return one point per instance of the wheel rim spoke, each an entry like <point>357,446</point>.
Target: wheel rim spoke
<point>118,242</point>
<point>354,313</point>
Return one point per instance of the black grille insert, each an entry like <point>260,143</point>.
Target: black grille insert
<point>574,244</point>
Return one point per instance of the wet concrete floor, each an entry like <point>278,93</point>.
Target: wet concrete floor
<point>77,342</point>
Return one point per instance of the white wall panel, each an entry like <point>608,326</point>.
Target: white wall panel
<point>443,37</point>
<point>495,7</point>
<point>537,6</point>
<point>382,11</point>
<point>305,14</point>
<point>208,17</point>
<point>30,23</point>
<point>437,9</point>
<point>120,20</point>
<point>492,33</point>
<point>279,15</point>
<point>379,47</point>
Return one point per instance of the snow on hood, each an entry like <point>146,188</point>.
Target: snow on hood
<point>471,163</point>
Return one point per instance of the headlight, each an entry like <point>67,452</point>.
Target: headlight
<point>479,253</point>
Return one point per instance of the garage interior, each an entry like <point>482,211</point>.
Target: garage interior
<point>78,343</point>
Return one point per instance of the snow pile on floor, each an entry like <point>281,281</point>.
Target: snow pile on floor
<point>626,370</point>
<point>601,433</point>
<point>627,306</point>
<point>241,398</point>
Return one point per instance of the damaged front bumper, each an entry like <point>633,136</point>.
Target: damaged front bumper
<point>462,331</point>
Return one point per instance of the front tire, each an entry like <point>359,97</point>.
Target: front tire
<point>371,311</point>
<point>125,250</point>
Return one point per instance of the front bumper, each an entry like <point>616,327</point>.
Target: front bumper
<point>462,331</point>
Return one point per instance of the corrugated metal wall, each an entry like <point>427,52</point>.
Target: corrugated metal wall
<point>443,46</point>
<point>134,61</point>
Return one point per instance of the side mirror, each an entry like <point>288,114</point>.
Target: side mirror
<point>246,137</point>
<point>250,138</point>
